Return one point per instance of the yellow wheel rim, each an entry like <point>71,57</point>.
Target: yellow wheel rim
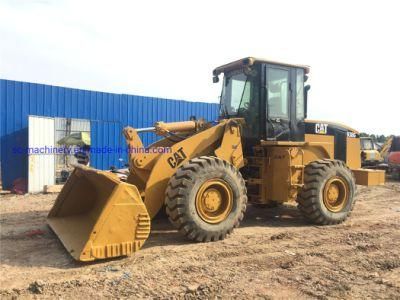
<point>214,201</point>
<point>336,194</point>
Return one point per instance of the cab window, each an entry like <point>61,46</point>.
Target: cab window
<point>278,93</point>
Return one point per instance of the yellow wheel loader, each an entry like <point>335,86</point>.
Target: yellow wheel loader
<point>262,150</point>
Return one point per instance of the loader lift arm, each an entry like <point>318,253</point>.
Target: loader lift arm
<point>222,140</point>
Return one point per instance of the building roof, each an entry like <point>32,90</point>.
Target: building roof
<point>249,61</point>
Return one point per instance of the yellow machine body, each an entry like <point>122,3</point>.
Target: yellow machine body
<point>98,216</point>
<point>280,166</point>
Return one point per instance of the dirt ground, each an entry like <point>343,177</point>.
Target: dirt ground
<point>275,254</point>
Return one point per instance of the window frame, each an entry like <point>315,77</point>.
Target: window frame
<point>302,117</point>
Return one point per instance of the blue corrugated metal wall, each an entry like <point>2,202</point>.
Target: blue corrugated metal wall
<point>108,113</point>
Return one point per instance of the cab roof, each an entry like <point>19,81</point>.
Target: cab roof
<point>249,61</point>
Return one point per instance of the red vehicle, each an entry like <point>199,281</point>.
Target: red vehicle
<point>394,157</point>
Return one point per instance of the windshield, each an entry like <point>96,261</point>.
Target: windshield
<point>240,99</point>
<point>235,92</point>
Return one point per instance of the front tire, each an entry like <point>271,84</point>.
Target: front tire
<point>327,196</point>
<point>206,199</point>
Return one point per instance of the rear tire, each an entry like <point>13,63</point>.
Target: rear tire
<point>206,199</point>
<point>327,196</point>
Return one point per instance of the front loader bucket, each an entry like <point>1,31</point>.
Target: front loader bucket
<point>97,216</point>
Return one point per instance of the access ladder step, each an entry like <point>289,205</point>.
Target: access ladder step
<point>254,181</point>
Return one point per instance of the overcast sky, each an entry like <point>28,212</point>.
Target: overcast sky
<point>169,48</point>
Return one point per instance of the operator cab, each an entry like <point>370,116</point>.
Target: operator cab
<point>270,96</point>
<point>367,144</point>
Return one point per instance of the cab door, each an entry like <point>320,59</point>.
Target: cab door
<point>284,101</point>
<point>278,98</point>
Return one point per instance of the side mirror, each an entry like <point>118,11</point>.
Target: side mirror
<point>215,79</point>
<point>306,89</point>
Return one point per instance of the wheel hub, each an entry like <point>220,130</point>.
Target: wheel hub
<point>333,193</point>
<point>336,195</point>
<point>214,201</point>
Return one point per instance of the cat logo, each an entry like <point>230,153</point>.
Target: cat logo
<point>177,158</point>
<point>321,128</point>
